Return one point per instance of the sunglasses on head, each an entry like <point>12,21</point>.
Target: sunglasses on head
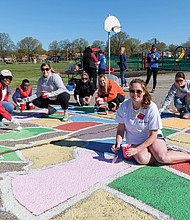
<point>138,91</point>
<point>84,78</point>
<point>43,69</point>
<point>179,80</point>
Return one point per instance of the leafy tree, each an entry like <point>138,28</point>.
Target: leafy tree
<point>6,44</point>
<point>131,46</point>
<point>116,41</point>
<point>79,45</point>
<point>54,50</point>
<point>29,47</point>
<point>65,45</point>
<point>98,44</point>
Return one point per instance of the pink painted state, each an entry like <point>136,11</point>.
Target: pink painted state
<point>44,189</point>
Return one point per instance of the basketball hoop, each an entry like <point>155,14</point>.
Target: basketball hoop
<point>116,29</point>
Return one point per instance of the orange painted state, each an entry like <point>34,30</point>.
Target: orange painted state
<point>182,167</point>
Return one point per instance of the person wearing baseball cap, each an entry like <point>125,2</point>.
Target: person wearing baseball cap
<point>6,107</point>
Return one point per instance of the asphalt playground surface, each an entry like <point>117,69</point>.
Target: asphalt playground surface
<point>63,170</point>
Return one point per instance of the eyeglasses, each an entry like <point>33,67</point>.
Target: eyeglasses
<point>84,78</point>
<point>138,91</point>
<point>179,80</point>
<point>43,69</point>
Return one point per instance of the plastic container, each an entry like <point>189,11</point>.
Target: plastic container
<point>44,96</point>
<point>125,147</point>
<point>22,106</point>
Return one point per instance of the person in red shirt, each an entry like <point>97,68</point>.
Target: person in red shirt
<point>23,92</point>
<point>109,91</point>
<point>6,107</point>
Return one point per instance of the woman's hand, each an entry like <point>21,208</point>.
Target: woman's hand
<point>115,148</point>
<point>131,151</point>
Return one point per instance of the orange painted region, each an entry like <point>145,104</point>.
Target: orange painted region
<point>182,167</point>
<point>74,126</point>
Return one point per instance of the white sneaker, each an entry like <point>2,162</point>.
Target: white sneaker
<point>65,117</point>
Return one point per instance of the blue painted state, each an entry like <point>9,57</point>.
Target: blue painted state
<point>83,118</point>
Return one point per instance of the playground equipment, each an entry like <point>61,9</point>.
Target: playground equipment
<point>181,55</point>
<point>178,61</point>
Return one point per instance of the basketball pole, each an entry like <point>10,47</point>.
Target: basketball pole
<point>108,50</point>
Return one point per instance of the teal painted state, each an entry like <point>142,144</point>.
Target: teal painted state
<point>158,188</point>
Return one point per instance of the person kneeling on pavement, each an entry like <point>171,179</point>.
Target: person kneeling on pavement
<point>180,92</point>
<point>51,91</point>
<point>109,91</point>
<point>84,90</point>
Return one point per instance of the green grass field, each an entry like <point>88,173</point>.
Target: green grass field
<point>31,72</point>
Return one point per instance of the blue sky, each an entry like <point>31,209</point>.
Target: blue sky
<point>49,20</point>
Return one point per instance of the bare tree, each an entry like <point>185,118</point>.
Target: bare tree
<point>6,44</point>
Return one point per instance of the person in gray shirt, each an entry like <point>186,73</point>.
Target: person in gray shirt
<point>51,90</point>
<point>180,92</point>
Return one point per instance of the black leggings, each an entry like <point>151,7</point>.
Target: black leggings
<point>149,73</point>
<point>119,99</point>
<point>62,99</point>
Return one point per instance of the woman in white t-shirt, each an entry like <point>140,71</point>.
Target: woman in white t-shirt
<point>139,121</point>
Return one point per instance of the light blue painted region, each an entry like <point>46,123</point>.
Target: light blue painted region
<point>82,118</point>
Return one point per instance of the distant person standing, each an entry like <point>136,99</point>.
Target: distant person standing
<point>152,57</point>
<point>89,65</point>
<point>102,63</point>
<point>123,66</point>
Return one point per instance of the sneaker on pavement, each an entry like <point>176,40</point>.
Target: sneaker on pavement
<point>152,91</point>
<point>51,110</point>
<point>65,117</point>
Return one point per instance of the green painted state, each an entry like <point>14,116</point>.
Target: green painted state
<point>57,116</point>
<point>24,133</point>
<point>12,156</point>
<point>167,132</point>
<point>159,188</point>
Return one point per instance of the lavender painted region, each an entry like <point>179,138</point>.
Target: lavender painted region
<point>44,189</point>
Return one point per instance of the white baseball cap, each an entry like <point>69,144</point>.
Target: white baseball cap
<point>6,73</point>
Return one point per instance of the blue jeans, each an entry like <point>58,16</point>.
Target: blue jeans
<point>123,80</point>
<point>182,104</point>
<point>8,107</point>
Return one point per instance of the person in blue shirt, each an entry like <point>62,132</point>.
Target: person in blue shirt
<point>102,63</point>
<point>152,57</point>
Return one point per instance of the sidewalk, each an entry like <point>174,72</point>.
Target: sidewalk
<point>63,170</point>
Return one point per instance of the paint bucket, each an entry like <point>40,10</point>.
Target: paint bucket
<point>86,99</point>
<point>22,106</point>
<point>31,106</point>
<point>188,95</point>
<point>44,96</point>
<point>125,147</point>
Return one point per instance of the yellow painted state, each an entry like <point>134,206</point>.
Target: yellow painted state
<point>181,140</point>
<point>102,205</point>
<point>46,122</point>
<point>47,155</point>
<point>176,123</point>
